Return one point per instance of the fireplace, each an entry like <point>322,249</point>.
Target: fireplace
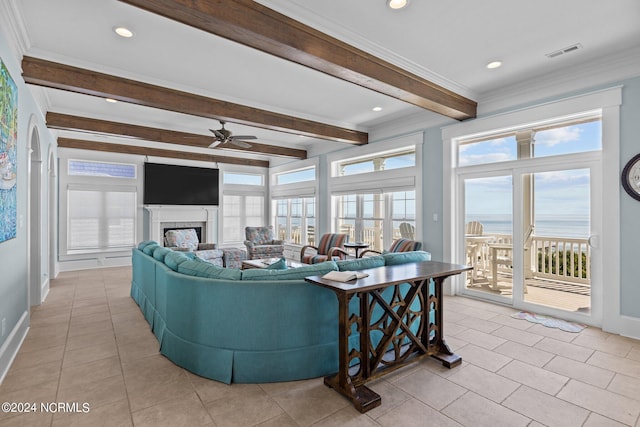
<point>162,218</point>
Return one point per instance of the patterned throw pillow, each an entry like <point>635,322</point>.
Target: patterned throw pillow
<point>281,264</point>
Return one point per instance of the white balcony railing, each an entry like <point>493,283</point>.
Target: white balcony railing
<point>553,258</point>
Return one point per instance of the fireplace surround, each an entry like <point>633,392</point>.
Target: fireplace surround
<point>164,217</point>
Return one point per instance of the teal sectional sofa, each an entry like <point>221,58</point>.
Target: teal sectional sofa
<point>250,326</point>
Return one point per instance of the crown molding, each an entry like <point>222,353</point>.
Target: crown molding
<point>12,19</point>
<point>340,32</point>
<point>605,70</point>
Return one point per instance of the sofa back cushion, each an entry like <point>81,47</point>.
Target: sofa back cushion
<point>396,258</point>
<point>291,273</point>
<point>201,268</point>
<point>160,252</point>
<point>150,248</point>
<point>360,263</point>
<point>144,243</point>
<point>174,259</point>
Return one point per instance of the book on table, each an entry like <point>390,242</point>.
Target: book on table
<point>344,276</point>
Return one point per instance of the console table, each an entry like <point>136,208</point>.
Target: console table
<point>411,325</point>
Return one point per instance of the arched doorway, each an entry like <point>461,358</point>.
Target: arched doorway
<point>35,218</point>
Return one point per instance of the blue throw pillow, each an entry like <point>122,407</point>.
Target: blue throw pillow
<point>290,273</point>
<point>174,259</point>
<point>360,263</point>
<point>396,258</point>
<point>201,268</point>
<point>281,264</point>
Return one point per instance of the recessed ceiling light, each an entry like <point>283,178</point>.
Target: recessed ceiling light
<point>111,100</point>
<point>494,64</point>
<point>397,4</point>
<point>123,32</point>
<point>377,108</point>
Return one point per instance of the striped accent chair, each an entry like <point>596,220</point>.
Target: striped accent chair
<point>398,245</point>
<point>325,249</point>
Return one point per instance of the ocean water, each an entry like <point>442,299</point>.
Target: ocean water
<point>574,227</point>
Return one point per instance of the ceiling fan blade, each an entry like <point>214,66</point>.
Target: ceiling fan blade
<point>214,144</point>
<point>218,134</point>
<point>243,137</point>
<point>241,144</point>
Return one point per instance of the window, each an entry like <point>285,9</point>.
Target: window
<point>101,169</point>
<point>242,178</point>
<point>100,219</point>
<point>300,175</point>
<point>240,211</point>
<point>388,160</point>
<point>369,217</point>
<point>296,220</point>
<point>565,137</point>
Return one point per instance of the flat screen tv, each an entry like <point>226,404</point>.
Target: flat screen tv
<point>180,185</point>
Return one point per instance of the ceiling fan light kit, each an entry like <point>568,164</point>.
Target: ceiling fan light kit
<point>397,4</point>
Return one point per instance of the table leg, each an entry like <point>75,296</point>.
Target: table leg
<point>362,397</point>
<point>444,354</point>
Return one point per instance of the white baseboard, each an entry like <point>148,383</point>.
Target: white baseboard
<point>629,327</point>
<point>10,347</point>
<point>44,290</point>
<point>87,264</point>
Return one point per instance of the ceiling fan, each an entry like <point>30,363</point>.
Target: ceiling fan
<point>225,137</point>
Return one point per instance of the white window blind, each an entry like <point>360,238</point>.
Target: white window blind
<point>100,218</point>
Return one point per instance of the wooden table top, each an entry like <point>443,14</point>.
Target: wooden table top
<point>391,275</point>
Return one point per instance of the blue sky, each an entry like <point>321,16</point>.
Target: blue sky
<point>557,194</point>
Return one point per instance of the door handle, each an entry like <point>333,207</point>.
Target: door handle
<point>594,241</point>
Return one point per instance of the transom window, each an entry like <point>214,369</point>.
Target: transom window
<point>567,137</point>
<point>101,169</point>
<point>388,160</point>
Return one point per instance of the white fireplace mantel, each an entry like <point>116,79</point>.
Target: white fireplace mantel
<point>159,214</point>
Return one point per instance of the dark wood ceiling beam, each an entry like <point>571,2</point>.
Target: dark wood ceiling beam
<point>85,124</point>
<point>60,76</point>
<point>254,25</point>
<point>155,152</point>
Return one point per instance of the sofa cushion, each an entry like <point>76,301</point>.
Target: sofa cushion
<point>160,252</point>
<point>291,273</point>
<point>148,249</point>
<point>201,268</point>
<point>174,259</point>
<point>144,243</point>
<point>396,258</point>
<point>361,263</point>
<point>281,264</point>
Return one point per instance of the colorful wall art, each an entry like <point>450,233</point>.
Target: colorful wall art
<point>8,154</point>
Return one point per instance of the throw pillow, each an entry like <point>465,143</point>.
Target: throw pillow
<point>281,264</point>
<point>396,258</point>
<point>360,263</point>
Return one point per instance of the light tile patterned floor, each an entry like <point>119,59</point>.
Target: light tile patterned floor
<point>90,343</point>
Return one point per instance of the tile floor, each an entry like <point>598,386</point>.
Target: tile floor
<point>90,343</point>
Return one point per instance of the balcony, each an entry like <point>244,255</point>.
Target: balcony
<point>557,269</point>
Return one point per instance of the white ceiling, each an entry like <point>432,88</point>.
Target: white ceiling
<point>446,42</point>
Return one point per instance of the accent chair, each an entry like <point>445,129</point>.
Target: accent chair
<point>398,245</point>
<point>330,245</point>
<point>261,244</point>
